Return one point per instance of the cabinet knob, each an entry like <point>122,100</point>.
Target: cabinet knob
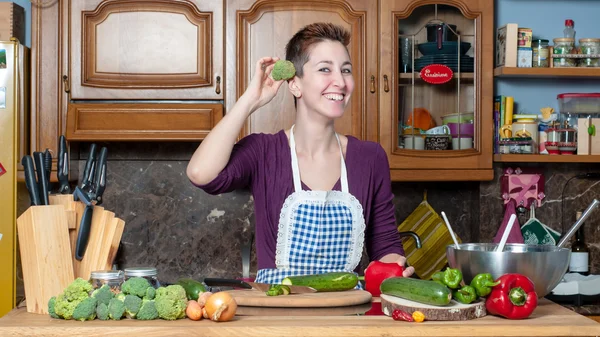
<point>218,88</point>
<point>386,86</point>
<point>372,84</point>
<point>66,85</point>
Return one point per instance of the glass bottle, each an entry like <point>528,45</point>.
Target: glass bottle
<point>569,31</point>
<point>113,278</point>
<point>149,273</point>
<point>580,252</point>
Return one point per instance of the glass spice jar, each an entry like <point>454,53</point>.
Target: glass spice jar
<point>149,273</point>
<point>113,278</point>
<point>563,46</point>
<point>540,53</point>
<point>589,47</point>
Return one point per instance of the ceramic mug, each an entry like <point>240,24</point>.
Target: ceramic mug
<point>417,140</point>
<point>462,143</point>
<point>439,130</point>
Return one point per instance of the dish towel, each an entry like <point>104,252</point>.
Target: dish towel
<point>515,235</point>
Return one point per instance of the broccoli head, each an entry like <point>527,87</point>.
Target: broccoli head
<point>103,294</point>
<point>51,304</point>
<point>171,302</point>
<point>116,309</point>
<point>150,293</point>
<point>102,311</point>
<point>132,305</point>
<point>283,70</point>
<point>85,310</point>
<point>73,294</point>
<point>135,286</point>
<point>147,311</point>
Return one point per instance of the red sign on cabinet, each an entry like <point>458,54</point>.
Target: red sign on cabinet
<point>436,74</point>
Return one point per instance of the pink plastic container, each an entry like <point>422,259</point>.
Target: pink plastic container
<point>466,129</point>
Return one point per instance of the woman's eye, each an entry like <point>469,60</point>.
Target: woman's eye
<point>347,71</point>
<point>324,70</point>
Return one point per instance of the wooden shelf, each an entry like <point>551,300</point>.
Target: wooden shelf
<point>547,72</point>
<point>542,158</point>
<point>408,76</point>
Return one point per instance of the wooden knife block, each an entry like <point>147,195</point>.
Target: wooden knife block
<point>45,254</point>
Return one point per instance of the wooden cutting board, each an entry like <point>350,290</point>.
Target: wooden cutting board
<point>255,298</point>
<point>331,311</point>
<point>454,311</point>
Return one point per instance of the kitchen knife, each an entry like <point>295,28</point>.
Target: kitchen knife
<point>88,171</point>
<point>254,285</point>
<point>38,158</point>
<point>30,182</point>
<point>99,182</point>
<point>85,224</point>
<point>48,166</point>
<point>62,166</point>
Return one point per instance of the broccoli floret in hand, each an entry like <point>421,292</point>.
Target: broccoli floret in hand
<point>103,294</point>
<point>283,70</point>
<point>147,311</point>
<point>85,310</point>
<point>73,294</point>
<point>135,286</point>
<point>51,304</point>
<point>171,302</point>
<point>116,309</point>
<point>102,311</point>
<point>132,305</point>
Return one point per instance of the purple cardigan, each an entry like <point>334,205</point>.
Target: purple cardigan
<point>262,162</point>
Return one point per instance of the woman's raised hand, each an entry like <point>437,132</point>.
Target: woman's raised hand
<point>262,87</point>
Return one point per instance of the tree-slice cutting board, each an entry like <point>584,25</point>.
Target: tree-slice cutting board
<point>454,311</point>
<point>255,298</point>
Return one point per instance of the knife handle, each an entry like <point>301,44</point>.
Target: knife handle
<point>38,158</point>
<point>62,164</point>
<point>100,175</point>
<point>47,164</point>
<point>225,282</point>
<point>30,182</point>
<point>84,232</point>
<point>88,171</point>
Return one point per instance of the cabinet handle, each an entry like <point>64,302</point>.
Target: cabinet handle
<point>218,89</point>
<point>66,85</point>
<point>372,84</point>
<point>386,86</point>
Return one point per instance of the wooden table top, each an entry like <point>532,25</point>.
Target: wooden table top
<point>549,319</point>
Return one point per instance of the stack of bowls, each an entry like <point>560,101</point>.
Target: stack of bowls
<point>447,53</point>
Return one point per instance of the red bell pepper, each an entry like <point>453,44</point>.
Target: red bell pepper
<point>378,271</point>
<point>513,298</point>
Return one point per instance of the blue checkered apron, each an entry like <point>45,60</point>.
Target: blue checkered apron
<point>319,231</point>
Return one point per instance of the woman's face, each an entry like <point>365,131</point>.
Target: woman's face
<point>327,83</point>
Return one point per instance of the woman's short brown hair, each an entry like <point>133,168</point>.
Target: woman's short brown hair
<point>299,46</point>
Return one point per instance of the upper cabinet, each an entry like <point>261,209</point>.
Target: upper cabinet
<point>435,88</point>
<point>256,29</point>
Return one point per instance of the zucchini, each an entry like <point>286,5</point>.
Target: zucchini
<point>422,291</point>
<point>334,281</point>
<point>193,288</point>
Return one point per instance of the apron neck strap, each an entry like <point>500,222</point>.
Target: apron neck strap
<point>296,169</point>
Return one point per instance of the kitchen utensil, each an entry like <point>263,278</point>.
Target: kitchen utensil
<point>246,252</point>
<point>62,165</point>
<point>454,311</point>
<point>578,223</point>
<point>30,182</point>
<point>38,159</point>
<point>511,222</point>
<point>253,285</point>
<point>536,233</point>
<point>253,298</point>
<point>450,229</point>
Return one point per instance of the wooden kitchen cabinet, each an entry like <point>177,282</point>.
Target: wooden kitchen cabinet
<point>256,29</point>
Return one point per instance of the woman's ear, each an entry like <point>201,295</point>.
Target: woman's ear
<point>294,87</point>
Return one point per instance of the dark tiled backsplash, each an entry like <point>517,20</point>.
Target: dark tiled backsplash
<point>184,232</point>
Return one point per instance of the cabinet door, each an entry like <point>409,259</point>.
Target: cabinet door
<point>154,49</point>
<point>262,28</point>
<point>411,108</point>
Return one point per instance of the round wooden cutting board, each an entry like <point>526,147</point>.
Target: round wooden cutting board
<point>255,298</point>
<point>454,311</point>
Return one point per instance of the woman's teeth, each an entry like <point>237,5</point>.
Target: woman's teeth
<point>334,97</point>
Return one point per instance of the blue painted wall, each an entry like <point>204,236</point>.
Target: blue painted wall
<point>26,4</point>
<point>546,19</point>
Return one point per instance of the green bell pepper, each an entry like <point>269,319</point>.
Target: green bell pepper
<point>452,278</point>
<point>438,277</point>
<point>483,284</point>
<point>465,295</point>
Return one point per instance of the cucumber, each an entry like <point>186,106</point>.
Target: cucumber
<point>334,281</point>
<point>193,288</point>
<point>422,291</point>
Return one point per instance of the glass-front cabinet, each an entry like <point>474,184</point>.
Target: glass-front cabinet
<point>436,89</point>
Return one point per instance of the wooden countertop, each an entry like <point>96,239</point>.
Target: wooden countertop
<point>549,319</point>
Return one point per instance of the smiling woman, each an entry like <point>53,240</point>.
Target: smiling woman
<point>319,196</point>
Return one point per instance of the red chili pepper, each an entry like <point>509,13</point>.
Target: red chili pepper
<point>513,298</point>
<point>399,315</point>
<point>378,271</point>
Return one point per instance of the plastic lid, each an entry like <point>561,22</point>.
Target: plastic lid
<point>579,95</point>
<point>540,41</point>
<point>106,274</point>
<point>564,39</point>
<point>569,22</point>
<point>140,271</point>
<point>588,40</point>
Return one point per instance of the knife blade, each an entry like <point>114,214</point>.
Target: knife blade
<point>30,182</point>
<point>254,285</point>
<point>62,170</point>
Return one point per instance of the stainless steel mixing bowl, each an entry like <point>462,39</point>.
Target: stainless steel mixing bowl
<point>545,265</point>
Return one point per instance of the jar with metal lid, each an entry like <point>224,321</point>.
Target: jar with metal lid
<point>113,278</point>
<point>590,47</point>
<point>540,53</point>
<point>563,46</point>
<point>149,273</point>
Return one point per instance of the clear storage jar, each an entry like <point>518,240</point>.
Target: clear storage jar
<point>589,47</point>
<point>113,278</point>
<point>540,53</point>
<point>563,46</point>
<point>149,273</point>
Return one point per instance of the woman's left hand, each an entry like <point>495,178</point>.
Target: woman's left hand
<point>400,260</point>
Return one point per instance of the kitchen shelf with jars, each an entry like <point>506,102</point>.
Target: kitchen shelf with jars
<point>440,92</point>
<point>566,136</point>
